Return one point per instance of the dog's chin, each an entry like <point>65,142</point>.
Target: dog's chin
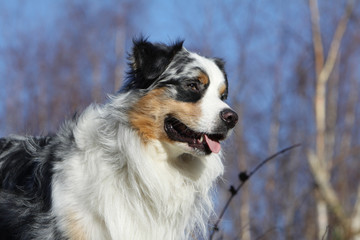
<point>190,141</point>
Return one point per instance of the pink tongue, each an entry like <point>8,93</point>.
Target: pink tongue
<point>213,145</point>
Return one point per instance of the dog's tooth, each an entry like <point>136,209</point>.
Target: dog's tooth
<point>201,138</point>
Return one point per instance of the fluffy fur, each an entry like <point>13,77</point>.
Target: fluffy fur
<point>142,166</point>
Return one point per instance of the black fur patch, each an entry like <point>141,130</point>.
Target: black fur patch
<point>25,192</point>
<point>221,64</point>
<point>184,90</point>
<point>26,170</point>
<point>148,61</point>
<point>23,218</point>
<point>21,167</point>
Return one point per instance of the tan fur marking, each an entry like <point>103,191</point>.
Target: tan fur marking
<point>203,78</point>
<point>222,89</point>
<point>74,228</point>
<point>148,114</point>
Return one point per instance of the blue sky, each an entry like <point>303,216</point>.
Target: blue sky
<point>160,19</point>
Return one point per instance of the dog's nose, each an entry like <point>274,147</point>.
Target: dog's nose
<point>229,117</point>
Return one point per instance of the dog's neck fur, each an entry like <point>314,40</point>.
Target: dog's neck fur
<point>163,200</point>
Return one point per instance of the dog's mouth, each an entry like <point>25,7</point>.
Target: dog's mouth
<point>204,142</point>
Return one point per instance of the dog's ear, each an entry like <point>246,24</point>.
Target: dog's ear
<point>148,61</point>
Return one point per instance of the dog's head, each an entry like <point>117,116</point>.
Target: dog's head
<point>181,98</point>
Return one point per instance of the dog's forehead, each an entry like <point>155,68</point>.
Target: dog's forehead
<point>209,66</point>
<point>189,64</point>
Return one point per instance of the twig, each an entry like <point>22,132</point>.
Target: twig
<point>326,232</point>
<point>244,176</point>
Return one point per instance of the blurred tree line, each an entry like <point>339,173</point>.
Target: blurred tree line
<point>294,75</point>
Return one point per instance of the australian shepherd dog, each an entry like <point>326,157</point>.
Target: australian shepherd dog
<point>141,166</point>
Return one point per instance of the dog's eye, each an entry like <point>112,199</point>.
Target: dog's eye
<point>223,97</point>
<point>193,86</point>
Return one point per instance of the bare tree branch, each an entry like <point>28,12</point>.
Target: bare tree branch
<point>316,34</point>
<point>322,179</point>
<point>319,165</point>
<point>244,177</point>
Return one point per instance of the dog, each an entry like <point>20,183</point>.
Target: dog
<point>141,166</point>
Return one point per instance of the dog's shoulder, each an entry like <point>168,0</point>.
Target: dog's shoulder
<point>25,194</point>
<point>18,160</point>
